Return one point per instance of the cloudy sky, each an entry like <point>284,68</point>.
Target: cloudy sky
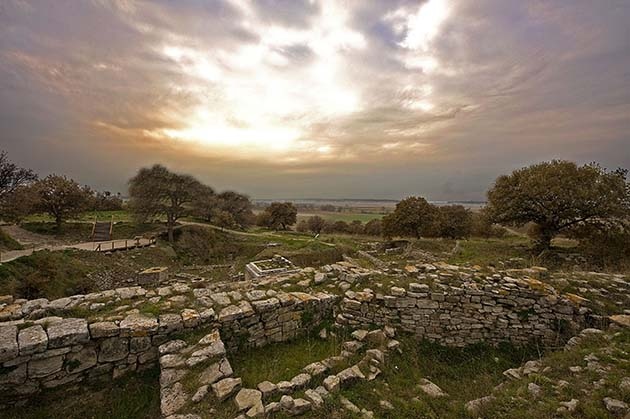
<point>314,98</point>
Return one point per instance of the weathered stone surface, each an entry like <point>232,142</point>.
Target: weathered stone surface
<point>285,387</point>
<point>80,361</point>
<point>300,381</point>
<point>474,406</point>
<point>170,376</point>
<point>300,406</point>
<point>349,376</point>
<point>139,344</point>
<point>68,332</point>
<point>13,375</point>
<point>331,383</point>
<point>268,389</point>
<point>8,343</point>
<point>137,325</point>
<point>113,349</point>
<point>172,346</point>
<point>215,372</point>
<point>44,367</point>
<point>315,369</point>
<point>614,406</point>
<point>103,330</point>
<point>226,387</point>
<point>170,323</point>
<point>213,350</point>
<point>431,389</point>
<point>316,400</point>
<point>32,339</point>
<point>247,398</point>
<point>172,399</point>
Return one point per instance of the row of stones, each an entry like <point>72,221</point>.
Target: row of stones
<point>249,402</point>
<point>34,356</point>
<point>463,315</point>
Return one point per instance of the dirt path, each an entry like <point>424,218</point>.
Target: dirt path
<point>246,233</point>
<point>105,246</point>
<point>29,239</point>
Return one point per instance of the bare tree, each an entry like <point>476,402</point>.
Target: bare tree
<point>60,197</point>
<point>12,176</point>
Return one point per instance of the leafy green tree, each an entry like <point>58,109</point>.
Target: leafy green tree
<point>316,224</point>
<point>454,221</point>
<point>413,217</point>
<point>238,206</point>
<point>156,192</point>
<point>278,215</point>
<point>60,197</point>
<point>558,196</point>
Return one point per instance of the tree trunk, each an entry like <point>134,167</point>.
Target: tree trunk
<point>169,225</point>
<point>543,241</point>
<point>58,222</point>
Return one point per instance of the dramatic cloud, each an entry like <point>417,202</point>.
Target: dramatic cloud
<point>314,98</point>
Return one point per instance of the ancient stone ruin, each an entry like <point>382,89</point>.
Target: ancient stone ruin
<point>104,335</point>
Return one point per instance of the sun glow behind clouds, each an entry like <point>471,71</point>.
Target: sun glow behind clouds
<point>253,98</point>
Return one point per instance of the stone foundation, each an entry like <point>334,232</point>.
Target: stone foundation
<point>53,351</point>
<point>514,310</point>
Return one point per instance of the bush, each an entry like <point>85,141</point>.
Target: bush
<point>606,246</point>
<point>373,228</point>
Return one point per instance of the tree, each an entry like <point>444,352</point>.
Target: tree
<point>156,191</point>
<point>238,206</point>
<point>12,176</point>
<point>60,197</point>
<point>18,204</point>
<point>316,224</point>
<point>413,216</point>
<point>454,221</point>
<point>558,196</point>
<point>279,215</point>
<point>373,228</point>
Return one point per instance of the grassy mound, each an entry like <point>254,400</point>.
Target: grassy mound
<point>8,243</point>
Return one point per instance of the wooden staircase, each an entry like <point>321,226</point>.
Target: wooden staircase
<point>102,230</point>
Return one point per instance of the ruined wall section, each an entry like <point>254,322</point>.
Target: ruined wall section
<point>515,310</point>
<point>54,351</point>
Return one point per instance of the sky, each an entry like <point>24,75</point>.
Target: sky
<point>314,98</point>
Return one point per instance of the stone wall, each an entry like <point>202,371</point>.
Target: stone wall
<point>515,310</point>
<point>53,351</point>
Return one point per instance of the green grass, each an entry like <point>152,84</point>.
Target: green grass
<point>8,243</point>
<point>281,361</point>
<point>465,374</point>
<point>44,274</point>
<point>515,402</point>
<point>485,252</point>
<point>63,273</point>
<point>120,215</point>
<point>133,397</point>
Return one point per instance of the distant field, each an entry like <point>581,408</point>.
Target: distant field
<point>341,216</point>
